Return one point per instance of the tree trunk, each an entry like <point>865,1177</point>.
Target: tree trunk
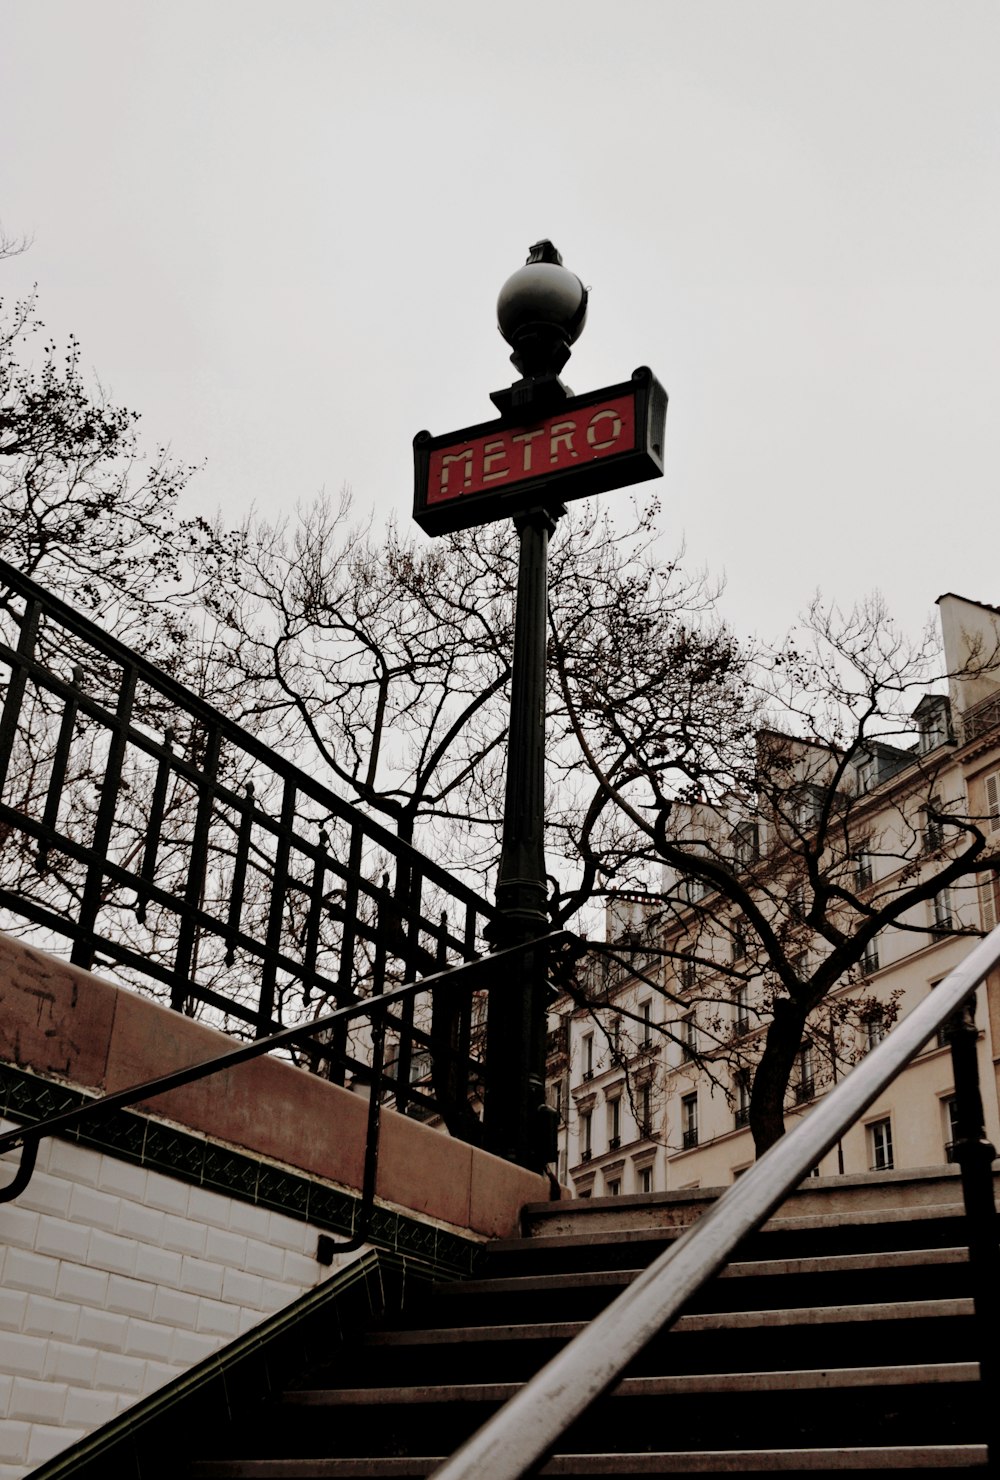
<point>767,1098</point>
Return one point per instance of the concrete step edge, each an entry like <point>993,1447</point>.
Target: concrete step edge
<point>703,1462</point>
<point>897,1310</point>
<point>821,1380</point>
<point>806,1265</point>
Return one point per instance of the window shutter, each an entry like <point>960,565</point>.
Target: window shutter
<point>993,800</point>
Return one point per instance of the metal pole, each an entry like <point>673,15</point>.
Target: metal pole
<point>516,1124</point>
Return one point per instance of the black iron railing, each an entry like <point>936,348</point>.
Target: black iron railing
<point>152,836</point>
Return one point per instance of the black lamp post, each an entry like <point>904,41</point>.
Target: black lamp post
<point>541,311</point>
<point>547,448</point>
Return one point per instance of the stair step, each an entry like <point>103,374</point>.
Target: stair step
<point>701,1462</point>
<point>899,1310</point>
<point>650,1387</point>
<point>762,1268</point>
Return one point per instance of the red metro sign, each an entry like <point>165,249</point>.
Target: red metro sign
<point>587,444</point>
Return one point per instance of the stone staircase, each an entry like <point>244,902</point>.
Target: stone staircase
<point>832,1342</point>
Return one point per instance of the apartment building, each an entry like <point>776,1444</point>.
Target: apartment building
<point>651,1066</point>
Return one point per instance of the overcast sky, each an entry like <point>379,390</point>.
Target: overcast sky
<point>279,230</point>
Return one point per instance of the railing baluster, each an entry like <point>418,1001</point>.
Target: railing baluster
<point>15,688</point>
<point>60,762</point>
<point>238,887</point>
<point>311,945</point>
<point>276,912</point>
<point>83,946</point>
<point>194,890</point>
<point>154,826</point>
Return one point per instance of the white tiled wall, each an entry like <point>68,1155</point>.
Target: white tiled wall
<point>113,1280</point>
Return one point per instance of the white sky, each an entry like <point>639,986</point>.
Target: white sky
<point>279,230</point>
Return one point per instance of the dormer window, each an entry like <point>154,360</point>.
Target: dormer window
<point>933,717</point>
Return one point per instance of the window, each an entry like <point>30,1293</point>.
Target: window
<point>615,1036</point>
<point>797,902</point>
<point>866,774</point>
<point>739,943</point>
<point>805,1081</point>
<point>645,1023</point>
<point>876,1027</point>
<point>586,1132</point>
<point>556,1098</point>
<point>689,1121</point>
<point>687,971</point>
<point>870,959</point>
<point>644,1179</point>
<point>645,1109</point>
<point>689,1037</point>
<point>880,1144</point>
<point>951,1112</point>
<point>944,914</point>
<point>613,1187</point>
<point>864,870</point>
<point>741,1010</point>
<point>745,844</point>
<point>807,806</point>
<point>933,829</point>
<point>588,1056</point>
<point>615,1123</point>
<point>741,1096</point>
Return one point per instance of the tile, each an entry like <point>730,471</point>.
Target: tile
<point>147,1339</point>
<point>159,1373</point>
<point>225,1247</point>
<point>14,1442</point>
<point>240,1288</point>
<point>53,1318</point>
<point>83,1285</point>
<point>108,1251</point>
<point>67,1362</point>
<point>18,1226</point>
<point>46,1194</point>
<point>47,1441</point>
<point>74,1163</point>
<point>24,1355</point>
<point>120,1374</point>
<point>142,1223</point>
<point>209,1207</point>
<point>24,1270</point>
<point>300,1270</point>
<point>130,1297</point>
<point>13,1305</point>
<point>159,1266</point>
<point>264,1260</point>
<point>218,1319</point>
<point>38,1402</point>
<point>95,1209</point>
<point>245,1219</point>
<point>102,1329</point>
<point>184,1236</point>
<point>199,1277</point>
<point>189,1347</point>
<point>89,1409</point>
<point>61,1239</point>
<point>167,1194</point>
<point>175,1308</point>
<point>122,1178</point>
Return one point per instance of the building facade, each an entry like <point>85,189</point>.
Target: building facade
<point>651,1064</point>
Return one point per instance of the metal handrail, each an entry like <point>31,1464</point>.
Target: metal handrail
<point>528,1426</point>
<point>28,1137</point>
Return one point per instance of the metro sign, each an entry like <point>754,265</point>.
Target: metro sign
<point>588,444</point>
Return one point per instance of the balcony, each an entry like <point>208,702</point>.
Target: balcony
<point>742,1117</point>
<point>805,1090</point>
<point>690,1138</point>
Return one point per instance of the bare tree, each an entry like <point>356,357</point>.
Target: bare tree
<point>822,810</point>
